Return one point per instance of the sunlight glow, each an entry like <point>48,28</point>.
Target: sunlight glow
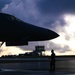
<point>67,37</point>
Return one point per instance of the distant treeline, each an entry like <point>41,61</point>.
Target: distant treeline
<point>33,56</point>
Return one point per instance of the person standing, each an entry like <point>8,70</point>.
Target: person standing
<point>52,61</point>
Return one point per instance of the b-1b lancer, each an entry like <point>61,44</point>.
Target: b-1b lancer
<point>15,32</point>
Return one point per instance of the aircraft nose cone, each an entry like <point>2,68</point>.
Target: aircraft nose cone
<point>55,35</point>
<point>51,34</point>
<point>47,34</point>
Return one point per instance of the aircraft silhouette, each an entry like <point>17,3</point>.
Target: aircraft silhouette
<point>15,32</point>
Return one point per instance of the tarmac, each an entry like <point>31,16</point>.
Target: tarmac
<point>31,72</point>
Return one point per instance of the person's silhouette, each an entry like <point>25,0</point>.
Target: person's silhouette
<point>52,62</point>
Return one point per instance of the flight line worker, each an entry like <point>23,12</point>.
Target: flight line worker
<point>52,61</point>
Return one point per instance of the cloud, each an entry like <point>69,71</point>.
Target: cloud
<point>23,9</point>
<point>3,3</point>
<point>43,13</point>
<point>10,50</point>
<point>56,7</point>
<point>48,14</point>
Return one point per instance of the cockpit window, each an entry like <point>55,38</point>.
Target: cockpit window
<point>17,19</point>
<point>12,18</point>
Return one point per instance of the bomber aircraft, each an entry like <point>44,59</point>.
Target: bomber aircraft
<point>15,32</point>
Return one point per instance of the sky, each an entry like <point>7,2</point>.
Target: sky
<point>57,15</point>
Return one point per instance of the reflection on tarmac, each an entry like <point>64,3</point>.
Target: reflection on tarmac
<point>31,72</point>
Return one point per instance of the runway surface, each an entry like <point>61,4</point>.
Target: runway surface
<point>31,72</point>
<point>64,66</point>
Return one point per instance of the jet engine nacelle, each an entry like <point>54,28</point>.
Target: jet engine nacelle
<point>16,43</point>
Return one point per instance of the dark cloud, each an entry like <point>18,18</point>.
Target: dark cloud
<point>52,10</point>
<point>54,23</point>
<point>56,7</point>
<point>36,12</point>
<point>43,13</point>
<point>3,3</point>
